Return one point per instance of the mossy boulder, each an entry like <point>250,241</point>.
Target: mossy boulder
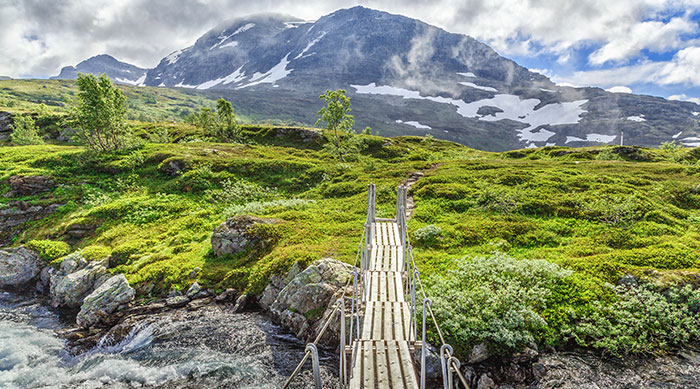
<point>29,185</point>
<point>241,233</point>
<point>105,300</point>
<point>303,303</point>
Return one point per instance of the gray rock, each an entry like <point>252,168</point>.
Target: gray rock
<point>237,234</point>
<point>301,304</point>
<point>629,281</point>
<point>241,302</point>
<point>226,296</point>
<point>176,301</point>
<point>105,300</point>
<point>193,290</point>
<point>79,231</point>
<point>19,266</point>
<point>29,185</point>
<point>70,290</point>
<point>485,382</point>
<point>19,212</point>
<point>193,274</point>
<point>479,353</point>
<point>173,167</point>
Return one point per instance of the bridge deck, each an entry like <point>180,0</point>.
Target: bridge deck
<point>382,356</point>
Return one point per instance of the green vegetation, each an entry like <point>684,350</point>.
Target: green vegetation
<point>24,131</point>
<point>520,247</point>
<point>337,116</point>
<point>220,125</point>
<point>99,114</point>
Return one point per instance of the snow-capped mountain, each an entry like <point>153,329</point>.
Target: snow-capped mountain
<point>118,71</point>
<point>407,77</point>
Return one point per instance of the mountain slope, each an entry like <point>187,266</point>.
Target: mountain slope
<point>407,77</point>
<point>118,71</point>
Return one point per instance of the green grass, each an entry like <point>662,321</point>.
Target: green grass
<point>595,213</point>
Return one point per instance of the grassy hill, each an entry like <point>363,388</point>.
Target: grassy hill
<point>518,248</point>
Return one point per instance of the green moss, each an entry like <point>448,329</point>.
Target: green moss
<point>49,249</point>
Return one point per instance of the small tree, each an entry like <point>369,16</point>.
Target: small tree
<point>99,114</point>
<point>24,131</point>
<point>219,124</point>
<point>337,117</point>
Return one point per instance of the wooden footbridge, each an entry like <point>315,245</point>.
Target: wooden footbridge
<point>378,346</point>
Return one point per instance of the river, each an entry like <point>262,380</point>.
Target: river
<point>208,348</point>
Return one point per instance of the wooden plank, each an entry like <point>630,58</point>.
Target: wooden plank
<point>398,322</point>
<point>398,282</point>
<point>385,236</point>
<point>378,320</point>
<point>383,287</point>
<point>394,366</point>
<point>409,372</point>
<point>397,234</point>
<point>382,369</point>
<point>367,322</point>
<point>368,368</point>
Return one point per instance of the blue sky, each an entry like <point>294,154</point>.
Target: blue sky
<point>642,46</point>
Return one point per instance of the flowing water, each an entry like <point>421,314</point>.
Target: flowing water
<point>207,348</point>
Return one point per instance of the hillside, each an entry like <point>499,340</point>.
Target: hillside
<point>567,224</point>
<point>407,77</point>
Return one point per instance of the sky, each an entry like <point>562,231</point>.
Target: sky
<point>639,46</point>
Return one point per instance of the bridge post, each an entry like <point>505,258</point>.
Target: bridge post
<point>343,360</point>
<point>445,359</point>
<point>315,364</point>
<point>426,303</point>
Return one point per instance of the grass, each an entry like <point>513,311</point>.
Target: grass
<point>593,214</point>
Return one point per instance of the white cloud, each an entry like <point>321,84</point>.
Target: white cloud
<point>684,97</point>
<point>619,89</point>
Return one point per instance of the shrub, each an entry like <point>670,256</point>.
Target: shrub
<point>260,207</point>
<point>617,210</point>
<point>497,199</point>
<point>640,320</point>
<point>428,235</point>
<point>495,299</point>
<point>239,191</point>
<point>49,249</point>
<point>24,131</point>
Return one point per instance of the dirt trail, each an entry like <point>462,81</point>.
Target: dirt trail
<point>408,182</point>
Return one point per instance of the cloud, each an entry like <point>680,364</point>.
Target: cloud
<point>619,89</point>
<point>684,97</point>
<point>682,69</point>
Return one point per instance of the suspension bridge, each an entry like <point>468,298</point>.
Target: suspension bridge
<point>379,346</point>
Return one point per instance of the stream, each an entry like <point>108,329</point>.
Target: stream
<point>207,348</point>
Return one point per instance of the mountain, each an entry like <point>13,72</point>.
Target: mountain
<point>4,78</point>
<point>407,77</point>
<point>118,71</point>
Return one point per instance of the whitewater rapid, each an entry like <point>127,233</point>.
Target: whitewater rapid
<point>207,348</point>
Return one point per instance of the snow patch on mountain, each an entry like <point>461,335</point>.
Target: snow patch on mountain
<point>467,74</point>
<point>173,57</point>
<point>138,82</point>
<point>229,44</point>
<point>473,85</point>
<point>273,75</point>
<point>512,107</point>
<point>600,138</point>
<point>415,124</point>
<point>223,38</point>
<point>639,118</point>
<point>310,45</point>
<point>677,135</point>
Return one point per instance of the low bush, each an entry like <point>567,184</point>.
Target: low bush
<point>49,249</point>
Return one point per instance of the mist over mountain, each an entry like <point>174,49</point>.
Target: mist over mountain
<point>404,77</point>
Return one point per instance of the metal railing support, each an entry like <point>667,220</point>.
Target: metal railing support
<point>416,273</point>
<point>444,363</point>
<point>315,364</point>
<point>426,303</point>
<point>342,368</point>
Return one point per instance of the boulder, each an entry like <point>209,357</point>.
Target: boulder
<point>19,266</point>
<point>479,353</point>
<point>193,291</point>
<point>173,167</point>
<point>114,293</point>
<point>69,290</point>
<point>238,233</point>
<point>77,231</point>
<point>5,124</point>
<point>302,305</point>
<point>629,281</point>
<point>485,382</point>
<point>29,185</point>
